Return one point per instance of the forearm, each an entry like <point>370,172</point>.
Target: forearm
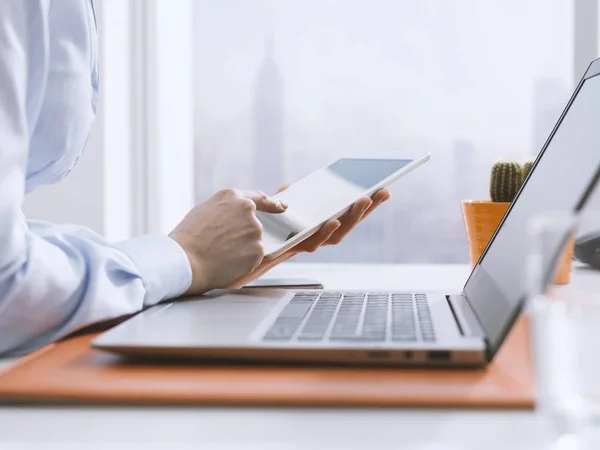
<point>66,278</point>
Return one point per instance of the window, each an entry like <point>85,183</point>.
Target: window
<point>283,88</point>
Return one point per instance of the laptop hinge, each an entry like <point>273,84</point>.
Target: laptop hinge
<point>465,318</point>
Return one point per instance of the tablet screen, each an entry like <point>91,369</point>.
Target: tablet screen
<point>365,173</point>
<point>317,197</point>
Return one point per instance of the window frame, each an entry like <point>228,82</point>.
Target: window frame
<point>162,143</point>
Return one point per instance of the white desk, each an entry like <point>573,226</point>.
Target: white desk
<point>279,428</point>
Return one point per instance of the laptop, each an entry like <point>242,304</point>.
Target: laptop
<point>387,327</point>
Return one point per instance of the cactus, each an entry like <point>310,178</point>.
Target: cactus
<point>505,181</point>
<point>527,168</point>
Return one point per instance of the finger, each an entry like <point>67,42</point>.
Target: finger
<point>264,202</point>
<point>382,195</point>
<point>350,220</point>
<point>379,197</point>
<point>320,237</point>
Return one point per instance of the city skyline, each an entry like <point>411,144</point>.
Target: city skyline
<point>271,108</point>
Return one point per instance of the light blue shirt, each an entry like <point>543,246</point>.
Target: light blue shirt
<point>55,279</point>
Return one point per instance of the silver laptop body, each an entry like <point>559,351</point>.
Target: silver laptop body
<point>386,327</point>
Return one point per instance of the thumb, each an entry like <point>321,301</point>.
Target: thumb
<point>264,202</point>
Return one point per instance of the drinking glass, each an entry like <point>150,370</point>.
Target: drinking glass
<point>565,328</point>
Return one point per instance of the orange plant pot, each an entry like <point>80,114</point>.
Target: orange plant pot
<point>481,220</point>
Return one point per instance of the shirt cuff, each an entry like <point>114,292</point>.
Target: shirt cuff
<point>164,267</point>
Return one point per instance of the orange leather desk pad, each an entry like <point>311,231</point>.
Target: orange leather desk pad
<point>72,372</point>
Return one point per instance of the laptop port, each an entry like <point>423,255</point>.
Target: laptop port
<point>438,355</point>
<point>408,355</point>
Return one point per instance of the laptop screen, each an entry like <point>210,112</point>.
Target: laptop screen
<point>561,176</point>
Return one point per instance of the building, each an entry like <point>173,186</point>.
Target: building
<point>268,152</point>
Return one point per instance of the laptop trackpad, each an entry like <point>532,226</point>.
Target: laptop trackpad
<point>218,319</point>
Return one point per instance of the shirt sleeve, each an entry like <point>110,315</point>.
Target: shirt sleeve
<point>55,279</point>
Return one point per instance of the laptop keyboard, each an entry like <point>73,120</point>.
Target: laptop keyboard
<point>359,316</point>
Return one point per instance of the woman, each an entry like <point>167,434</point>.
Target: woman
<point>55,279</point>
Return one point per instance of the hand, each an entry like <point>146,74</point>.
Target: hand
<point>223,238</point>
<point>331,233</point>
<point>361,209</point>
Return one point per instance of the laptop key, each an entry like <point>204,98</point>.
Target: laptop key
<point>290,318</point>
<point>298,310</point>
<point>404,337</point>
<point>342,336</point>
<point>312,336</point>
<point>371,338</point>
<point>279,333</point>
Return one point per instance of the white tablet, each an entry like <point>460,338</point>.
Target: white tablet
<point>327,194</point>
